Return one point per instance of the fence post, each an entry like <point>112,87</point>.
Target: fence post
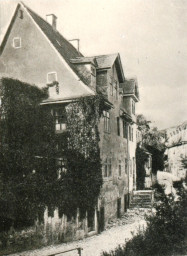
<point>79,251</point>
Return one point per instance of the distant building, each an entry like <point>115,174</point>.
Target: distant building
<point>176,149</point>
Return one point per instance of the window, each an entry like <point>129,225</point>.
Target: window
<point>125,129</point>
<point>116,89</point>
<point>133,107</point>
<point>111,89</point>
<point>118,126</point>
<point>21,14</point>
<point>61,167</point>
<point>126,165</point>
<point>149,162</point>
<point>132,134</point>
<point>119,167</point>
<point>60,120</point>
<point>17,42</point>
<point>130,166</point>
<point>133,164</point>
<point>93,71</point>
<point>51,77</point>
<point>129,132</point>
<point>106,116</point>
<point>108,167</point>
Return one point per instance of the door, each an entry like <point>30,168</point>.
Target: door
<point>118,207</point>
<point>101,219</point>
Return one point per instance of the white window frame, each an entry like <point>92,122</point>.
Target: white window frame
<point>106,116</point>
<point>107,166</point>
<point>15,38</point>
<point>61,167</point>
<point>59,117</point>
<point>53,72</point>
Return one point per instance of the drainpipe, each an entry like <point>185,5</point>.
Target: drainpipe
<point>128,166</point>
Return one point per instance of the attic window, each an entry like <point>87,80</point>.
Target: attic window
<point>21,14</point>
<point>51,77</point>
<point>17,42</point>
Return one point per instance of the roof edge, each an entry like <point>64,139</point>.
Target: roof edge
<point>5,38</point>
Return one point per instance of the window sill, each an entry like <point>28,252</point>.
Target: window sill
<point>60,131</point>
<point>106,179</point>
<point>107,132</point>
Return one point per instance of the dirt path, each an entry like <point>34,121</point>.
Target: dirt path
<point>116,234</point>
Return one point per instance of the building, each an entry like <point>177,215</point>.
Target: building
<point>176,142</point>
<point>33,51</point>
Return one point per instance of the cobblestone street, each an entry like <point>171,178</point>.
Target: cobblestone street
<point>116,233</point>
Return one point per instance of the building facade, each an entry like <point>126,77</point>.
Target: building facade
<point>33,51</point>
<point>176,149</point>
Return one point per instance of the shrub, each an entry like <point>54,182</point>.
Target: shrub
<point>165,233</point>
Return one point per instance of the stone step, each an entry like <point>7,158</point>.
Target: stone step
<point>141,199</point>
<point>140,202</point>
<point>135,204</point>
<point>140,206</point>
<point>142,196</point>
<point>144,199</point>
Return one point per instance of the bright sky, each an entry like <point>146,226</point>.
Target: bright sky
<point>150,35</point>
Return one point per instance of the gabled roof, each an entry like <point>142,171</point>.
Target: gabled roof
<point>103,62</point>
<point>130,88</point>
<point>107,61</point>
<point>67,51</point>
<point>63,46</point>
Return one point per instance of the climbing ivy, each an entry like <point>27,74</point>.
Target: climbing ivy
<point>26,131</point>
<point>79,186</point>
<point>28,172</point>
<point>83,154</point>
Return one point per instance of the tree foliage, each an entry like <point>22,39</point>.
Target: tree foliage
<point>151,135</point>
<point>165,232</point>
<point>153,141</point>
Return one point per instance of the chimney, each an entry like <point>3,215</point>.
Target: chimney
<point>51,19</point>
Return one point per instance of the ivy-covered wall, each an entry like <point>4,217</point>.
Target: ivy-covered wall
<point>26,131</point>
<point>29,179</point>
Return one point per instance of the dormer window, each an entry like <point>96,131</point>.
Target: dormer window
<point>20,14</point>
<point>17,42</point>
<point>51,77</point>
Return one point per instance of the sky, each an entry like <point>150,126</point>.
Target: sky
<point>150,35</point>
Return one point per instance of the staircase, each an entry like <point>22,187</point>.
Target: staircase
<point>142,199</point>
